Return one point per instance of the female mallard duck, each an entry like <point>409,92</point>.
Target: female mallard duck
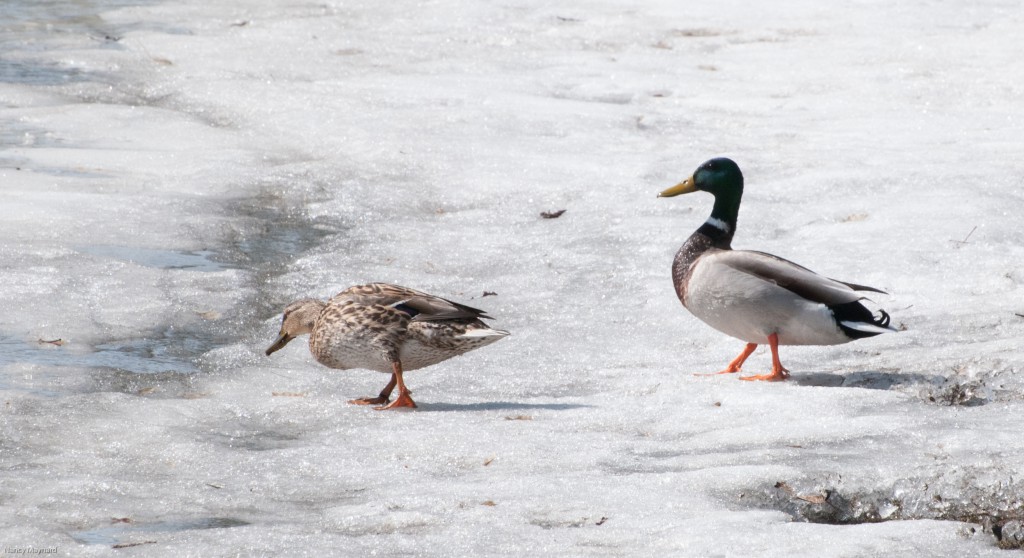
<point>754,296</point>
<point>386,328</point>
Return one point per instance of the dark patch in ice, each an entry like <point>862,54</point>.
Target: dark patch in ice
<point>998,508</point>
<point>251,433</point>
<point>65,171</point>
<point>159,363</point>
<point>198,260</point>
<point>270,230</point>
<point>865,380</point>
<point>20,24</point>
<point>160,351</point>
<point>572,522</point>
<point>37,73</point>
<point>81,13</point>
<point>152,366</point>
<point>141,356</point>
<point>170,350</point>
<point>115,534</point>
<point>157,385</point>
<point>932,388</point>
<point>260,438</point>
<point>18,133</point>
<point>955,392</point>
<point>273,229</point>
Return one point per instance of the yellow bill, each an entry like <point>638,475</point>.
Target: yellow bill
<point>684,187</point>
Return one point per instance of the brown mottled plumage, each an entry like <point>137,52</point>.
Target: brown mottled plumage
<point>386,328</point>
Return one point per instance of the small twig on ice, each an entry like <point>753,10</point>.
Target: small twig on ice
<point>964,241</point>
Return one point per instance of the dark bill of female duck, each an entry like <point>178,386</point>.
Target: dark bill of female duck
<point>279,343</point>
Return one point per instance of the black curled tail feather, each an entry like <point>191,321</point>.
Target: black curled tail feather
<point>883,320</point>
<point>853,313</point>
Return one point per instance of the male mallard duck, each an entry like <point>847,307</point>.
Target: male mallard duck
<point>386,328</point>
<point>754,296</point>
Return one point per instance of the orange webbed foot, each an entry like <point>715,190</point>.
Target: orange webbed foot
<point>403,400</point>
<point>773,376</point>
<point>369,401</point>
<point>383,398</point>
<point>778,372</point>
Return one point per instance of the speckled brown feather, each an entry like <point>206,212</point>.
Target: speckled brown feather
<point>376,325</point>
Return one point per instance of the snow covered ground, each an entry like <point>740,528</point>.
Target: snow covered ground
<point>174,173</point>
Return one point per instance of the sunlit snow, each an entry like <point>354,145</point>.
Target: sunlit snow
<point>174,173</point>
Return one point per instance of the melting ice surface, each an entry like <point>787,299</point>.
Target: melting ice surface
<point>175,172</point>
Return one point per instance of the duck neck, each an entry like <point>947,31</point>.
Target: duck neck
<point>721,225</point>
<point>715,233</point>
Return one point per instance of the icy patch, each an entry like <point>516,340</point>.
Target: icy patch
<point>199,260</point>
<point>126,532</point>
<point>985,498</point>
<point>150,354</point>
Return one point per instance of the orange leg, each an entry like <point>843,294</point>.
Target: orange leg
<point>381,399</point>
<point>403,399</point>
<point>736,363</point>
<point>778,372</point>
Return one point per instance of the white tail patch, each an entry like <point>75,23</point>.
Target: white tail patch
<point>484,333</point>
<point>867,328</point>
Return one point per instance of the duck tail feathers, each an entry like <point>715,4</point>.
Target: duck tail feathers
<point>485,332</point>
<point>857,322</point>
<point>857,287</point>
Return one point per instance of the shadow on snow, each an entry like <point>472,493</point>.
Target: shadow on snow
<point>498,406</point>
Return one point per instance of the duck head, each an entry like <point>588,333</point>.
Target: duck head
<point>719,177</point>
<point>299,319</point>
